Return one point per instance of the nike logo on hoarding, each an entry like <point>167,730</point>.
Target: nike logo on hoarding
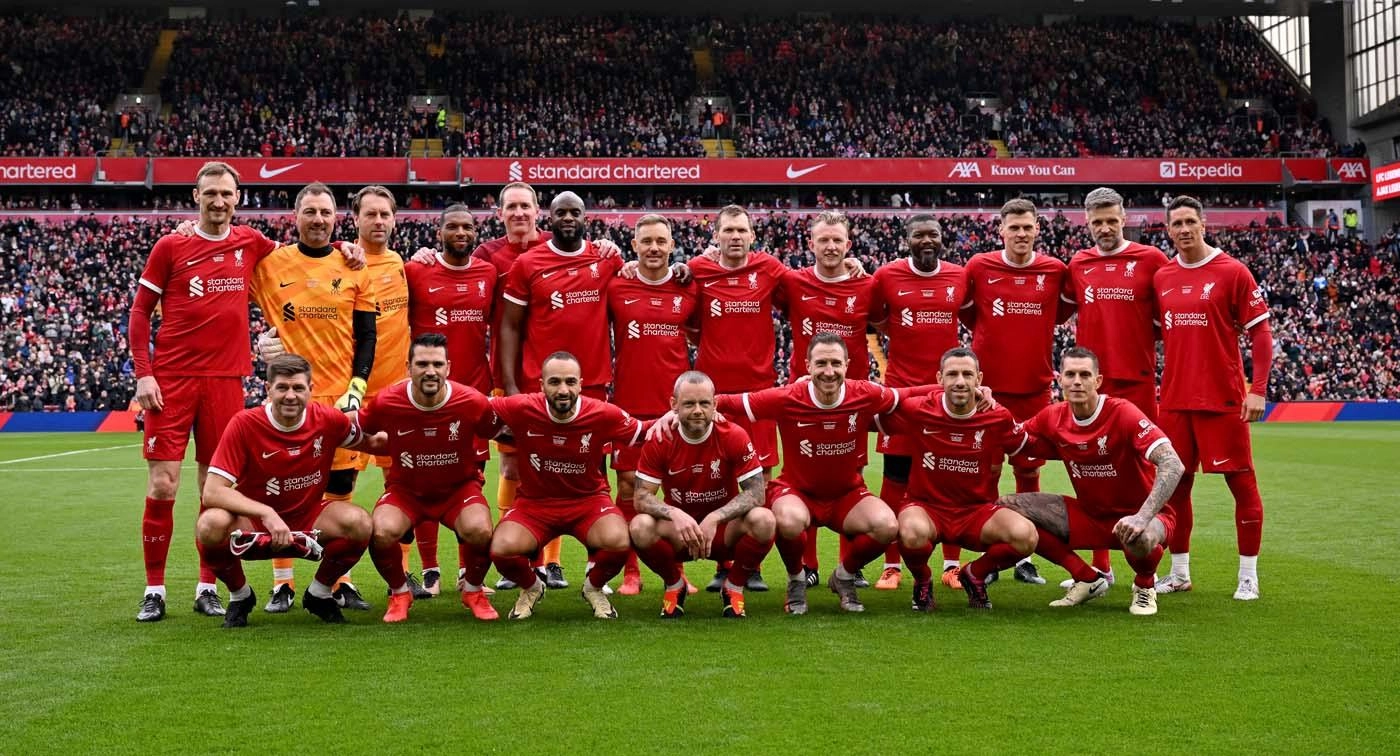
<point>794,173</point>
<point>263,172</point>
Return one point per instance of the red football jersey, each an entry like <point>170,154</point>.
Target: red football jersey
<point>823,447</point>
<point>501,253</point>
<point>203,286</point>
<point>284,469</point>
<point>566,297</point>
<point>1015,309</point>
<point>960,461</point>
<point>649,321</point>
<point>919,313</point>
<point>1202,309</point>
<point>562,460</point>
<point>737,340</point>
<point>1116,308</point>
<point>433,450</point>
<point>1105,455</point>
<point>456,301</point>
<point>700,476</point>
<point>827,305</point>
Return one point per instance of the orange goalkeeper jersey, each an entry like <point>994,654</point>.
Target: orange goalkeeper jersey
<point>391,327</point>
<point>311,302</point>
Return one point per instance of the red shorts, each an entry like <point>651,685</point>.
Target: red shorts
<point>961,527</point>
<point>1216,441</point>
<point>547,519</point>
<point>302,518</point>
<point>444,510</point>
<point>1143,394</point>
<point>205,404</point>
<point>1023,407</point>
<point>829,513</point>
<point>764,435</point>
<point>1093,530</point>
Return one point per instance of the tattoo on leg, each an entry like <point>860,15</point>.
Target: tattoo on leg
<point>1046,510</point>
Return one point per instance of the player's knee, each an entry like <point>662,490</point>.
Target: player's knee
<point>791,521</point>
<point>386,533</point>
<point>341,482</point>
<point>1023,537</point>
<point>358,526</point>
<point>642,530</point>
<point>474,530</point>
<point>761,524</point>
<point>164,482</point>
<point>212,526</point>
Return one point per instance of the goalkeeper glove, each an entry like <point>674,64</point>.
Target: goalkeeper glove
<point>352,398</point>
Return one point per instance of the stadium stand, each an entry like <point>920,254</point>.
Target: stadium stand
<point>65,291</point>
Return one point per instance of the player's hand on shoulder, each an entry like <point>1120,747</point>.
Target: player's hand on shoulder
<point>186,228</point>
<point>664,427</point>
<point>148,394</point>
<point>682,272</point>
<point>269,345</point>
<point>985,401</point>
<point>853,268</point>
<point>711,253</point>
<point>607,248</point>
<point>629,270</point>
<point>354,255</point>
<point>424,256</point>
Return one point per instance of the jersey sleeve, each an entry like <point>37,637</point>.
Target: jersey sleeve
<point>369,415</point>
<point>261,245</point>
<point>365,297</point>
<point>620,426</point>
<point>652,463</point>
<point>1250,305</point>
<point>345,429</point>
<point>502,411</point>
<point>231,457</point>
<point>1037,433</point>
<point>156,274</point>
<point>741,455</point>
<point>1145,433</point>
<point>518,283</point>
<point>1014,436</point>
<point>611,266</point>
<point>760,405</point>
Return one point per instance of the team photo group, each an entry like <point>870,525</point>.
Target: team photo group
<point>563,356</point>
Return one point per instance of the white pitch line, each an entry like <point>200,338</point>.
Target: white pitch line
<point>73,469</point>
<point>66,454</point>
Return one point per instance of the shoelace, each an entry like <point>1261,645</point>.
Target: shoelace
<point>214,600</point>
<point>1141,599</point>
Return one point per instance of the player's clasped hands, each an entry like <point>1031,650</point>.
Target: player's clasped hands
<point>1130,528</point>
<point>691,533</point>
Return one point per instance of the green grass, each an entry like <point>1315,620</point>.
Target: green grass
<point>1308,668</point>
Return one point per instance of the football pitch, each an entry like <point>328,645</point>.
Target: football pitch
<point>1311,667</point>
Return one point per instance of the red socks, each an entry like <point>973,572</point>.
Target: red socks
<point>749,554</point>
<point>388,560</point>
<point>862,551</point>
<point>997,557</point>
<point>339,555</point>
<point>515,569</point>
<point>661,558</point>
<point>476,560</point>
<point>1180,503</point>
<point>791,550</point>
<point>606,566</point>
<point>809,548</point>
<point>917,561</point>
<point>1059,552</point>
<point>426,535</point>
<point>1027,479</point>
<point>1249,511</point>
<point>157,527</point>
<point>1102,562</point>
<point>1145,568</point>
<point>225,566</point>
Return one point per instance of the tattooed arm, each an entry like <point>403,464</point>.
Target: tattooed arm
<point>1169,472</point>
<point>750,495</point>
<point>687,529</point>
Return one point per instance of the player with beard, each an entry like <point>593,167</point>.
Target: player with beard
<point>915,303</point>
<point>1110,286</point>
<point>653,318</point>
<point>455,295</point>
<point>1014,303</point>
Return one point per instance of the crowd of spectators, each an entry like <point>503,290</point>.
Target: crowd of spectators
<point>66,289</point>
<point>626,86</point>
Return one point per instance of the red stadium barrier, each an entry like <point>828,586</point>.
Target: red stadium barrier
<point>118,422</point>
<point>687,171</point>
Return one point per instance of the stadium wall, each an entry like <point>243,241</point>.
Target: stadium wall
<point>125,421</point>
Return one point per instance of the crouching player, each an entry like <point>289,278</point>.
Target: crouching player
<point>265,496</point>
<point>430,423</point>
<point>714,486</point>
<point>1115,458</point>
<point>953,485</point>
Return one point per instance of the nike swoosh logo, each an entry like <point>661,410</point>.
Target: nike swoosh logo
<point>263,172</point>
<point>548,274</point>
<point>435,289</point>
<point>1167,291</point>
<point>1219,461</point>
<point>708,284</point>
<point>928,432</point>
<point>807,299</point>
<point>1089,271</point>
<point>194,262</point>
<point>993,280</point>
<point>265,455</point>
<point>533,434</point>
<point>805,425</point>
<point>903,293</point>
<point>675,472</point>
<point>405,433</point>
<point>794,173</point>
<point>630,301</point>
<point>281,285</point>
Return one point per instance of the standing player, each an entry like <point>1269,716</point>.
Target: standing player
<point>269,474</point>
<point>915,302</point>
<point>653,316</point>
<point>555,298</point>
<point>738,339</point>
<point>1110,286</point>
<point>563,487</point>
<point>325,312</point>
<point>1123,470</point>
<point>1012,308</point>
<point>430,422</point>
<point>1205,300</point>
<point>454,296</point>
<point>824,422</point>
<point>715,485</point>
<point>828,298</point>
<point>193,381</point>
<point>953,490</point>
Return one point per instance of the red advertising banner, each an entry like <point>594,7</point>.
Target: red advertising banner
<point>1351,170</point>
<point>673,171</point>
<point>1307,169</point>
<point>289,171</point>
<point>1387,182</point>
